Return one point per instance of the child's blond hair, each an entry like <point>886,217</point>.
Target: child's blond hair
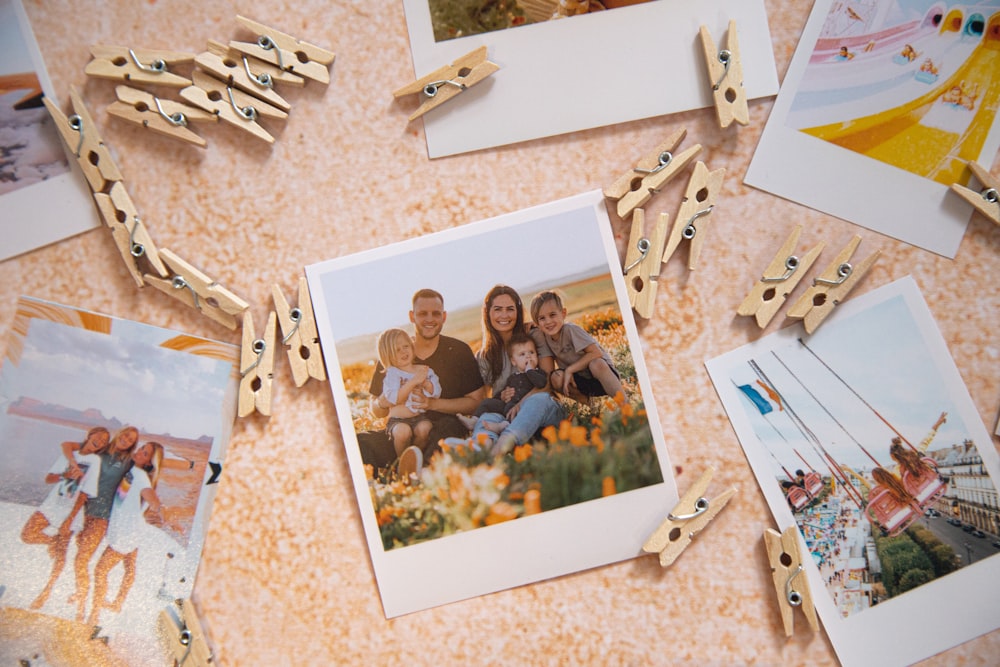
<point>541,299</point>
<point>387,345</point>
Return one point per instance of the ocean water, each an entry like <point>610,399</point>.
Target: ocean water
<point>28,448</point>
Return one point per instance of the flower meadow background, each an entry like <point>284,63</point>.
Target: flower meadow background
<point>601,449</point>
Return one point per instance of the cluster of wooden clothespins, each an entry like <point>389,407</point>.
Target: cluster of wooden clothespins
<point>693,513</point>
<point>635,187</point>
<point>234,82</point>
<point>785,271</point>
<point>174,276</point>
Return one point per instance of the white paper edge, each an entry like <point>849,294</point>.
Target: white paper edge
<point>529,549</point>
<point>851,186</point>
<point>922,622</point>
<point>56,208</point>
<point>587,71</point>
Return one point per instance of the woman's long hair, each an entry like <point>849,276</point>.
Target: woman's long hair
<point>493,347</point>
<point>91,433</point>
<point>155,463</point>
<point>892,484</point>
<point>907,459</point>
<point>113,445</point>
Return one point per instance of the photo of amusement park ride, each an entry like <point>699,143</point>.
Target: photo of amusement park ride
<point>917,91</point>
<point>884,105</point>
<point>864,437</point>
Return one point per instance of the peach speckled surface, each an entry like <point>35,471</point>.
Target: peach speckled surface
<point>286,577</point>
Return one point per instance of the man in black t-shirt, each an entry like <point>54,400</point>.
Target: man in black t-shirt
<point>462,387</point>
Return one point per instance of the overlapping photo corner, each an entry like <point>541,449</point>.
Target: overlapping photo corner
<point>97,389</point>
<point>893,98</point>
<point>864,436</point>
<point>35,175</point>
<point>582,492</point>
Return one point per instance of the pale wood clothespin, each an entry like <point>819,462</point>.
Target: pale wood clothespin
<point>298,331</point>
<point>80,135</point>
<point>692,513</point>
<point>129,232</point>
<point>149,66</point>
<point>831,287</point>
<point>231,105</point>
<point>635,187</point>
<point>165,117</point>
<point>642,262</point>
<point>185,638</point>
<point>725,71</point>
<point>789,575</point>
<point>257,78</point>
<point>192,287</point>
<point>287,52</point>
<point>986,200</point>
<point>691,222</point>
<point>778,280</point>
<point>446,82</point>
<point>256,367</point>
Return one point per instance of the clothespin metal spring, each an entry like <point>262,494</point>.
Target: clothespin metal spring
<point>295,315</point>
<point>791,265</point>
<point>700,507</point>
<point>157,66</point>
<point>793,596</point>
<point>843,271</point>
<point>689,229</point>
<point>725,57</point>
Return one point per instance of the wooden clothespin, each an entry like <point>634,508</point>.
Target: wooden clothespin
<point>231,105</point>
<point>692,513</point>
<point>185,637</point>
<point>165,117</point>
<point>642,262</point>
<point>699,200</point>
<point>80,134</point>
<point>257,78</point>
<point>635,187</point>
<point>778,280</point>
<point>446,82</point>
<point>987,200</point>
<point>150,66</point>
<point>256,367</point>
<point>790,581</point>
<point>725,70</point>
<point>298,331</point>
<point>831,287</point>
<point>128,231</point>
<point>287,52</point>
<point>194,288</point>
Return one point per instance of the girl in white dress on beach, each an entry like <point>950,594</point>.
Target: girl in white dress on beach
<point>135,497</point>
<point>59,516</point>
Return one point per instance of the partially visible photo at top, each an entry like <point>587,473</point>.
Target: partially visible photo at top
<point>461,18</point>
<point>910,83</point>
<point>30,151</point>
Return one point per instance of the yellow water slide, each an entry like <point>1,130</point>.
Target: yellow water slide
<point>897,137</point>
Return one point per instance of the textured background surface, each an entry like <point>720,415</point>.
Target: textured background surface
<point>286,577</point>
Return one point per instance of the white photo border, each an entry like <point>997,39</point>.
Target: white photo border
<point>611,67</point>
<point>894,632</point>
<point>851,186</point>
<point>528,549</point>
<point>56,208</point>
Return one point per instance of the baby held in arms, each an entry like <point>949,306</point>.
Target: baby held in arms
<point>494,414</point>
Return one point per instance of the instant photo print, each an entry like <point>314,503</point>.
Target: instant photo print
<point>585,491</point>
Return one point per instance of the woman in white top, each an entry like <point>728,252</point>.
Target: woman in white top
<point>135,496</point>
<point>72,484</point>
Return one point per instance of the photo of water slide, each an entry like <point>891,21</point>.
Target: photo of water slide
<point>914,84</point>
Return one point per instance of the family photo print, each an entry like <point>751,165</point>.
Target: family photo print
<point>494,404</point>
